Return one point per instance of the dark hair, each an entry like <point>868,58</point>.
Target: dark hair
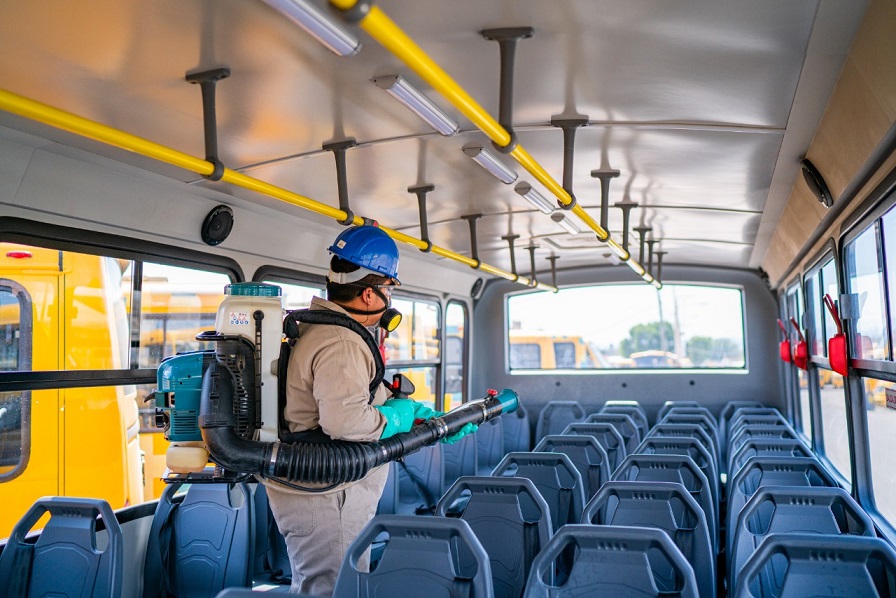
<point>344,293</point>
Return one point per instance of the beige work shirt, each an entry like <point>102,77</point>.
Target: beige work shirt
<point>328,381</point>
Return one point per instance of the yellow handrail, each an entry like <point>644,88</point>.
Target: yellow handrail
<point>39,112</point>
<point>385,31</point>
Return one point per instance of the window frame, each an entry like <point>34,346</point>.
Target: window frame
<point>25,350</point>
<point>465,352</point>
<point>62,238</point>
<point>603,371</point>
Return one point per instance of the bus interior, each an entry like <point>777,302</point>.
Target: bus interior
<point>667,226</point>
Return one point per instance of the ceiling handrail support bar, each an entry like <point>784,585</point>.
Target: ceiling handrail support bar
<point>207,81</point>
<point>659,264</point>
<point>642,232</point>
<point>474,244</point>
<point>532,247</point>
<point>510,240</point>
<point>605,175</point>
<point>650,244</point>
<point>569,126</point>
<point>420,191</point>
<point>339,148</point>
<point>626,205</point>
<point>553,259</point>
<point>507,38</point>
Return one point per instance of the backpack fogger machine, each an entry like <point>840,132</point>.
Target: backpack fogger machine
<point>224,405</point>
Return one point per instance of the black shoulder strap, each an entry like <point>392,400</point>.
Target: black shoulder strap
<point>334,318</point>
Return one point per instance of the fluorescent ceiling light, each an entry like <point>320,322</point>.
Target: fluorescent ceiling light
<point>310,18</point>
<point>566,222</point>
<point>418,103</point>
<point>490,163</point>
<point>538,201</point>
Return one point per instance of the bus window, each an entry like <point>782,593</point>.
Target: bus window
<point>675,327</point>
<point>455,349</point>
<point>881,423</point>
<point>413,349</point>
<point>865,281</point>
<point>15,355</point>
<point>177,304</point>
<point>835,432</point>
<point>297,296</point>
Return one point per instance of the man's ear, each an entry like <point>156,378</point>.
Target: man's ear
<point>367,295</point>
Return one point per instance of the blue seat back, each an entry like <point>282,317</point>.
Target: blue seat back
<point>517,431</point>
<point>423,556</point>
<point>797,565</point>
<point>421,480</point>
<point>611,560</point>
<point>624,424</point>
<point>673,468</point>
<point>489,445</point>
<point>511,520</point>
<point>704,420</point>
<point>607,436</point>
<point>555,416</point>
<point>633,411</point>
<point>585,453</point>
<point>202,545</point>
<point>777,510</point>
<point>670,404</point>
<point>662,505</point>
<point>759,432</point>
<point>758,447</point>
<point>460,459</point>
<point>693,448</point>
<point>770,471</point>
<point>684,430</point>
<point>65,560</point>
<point>741,419</point>
<point>725,416</point>
<point>556,478</point>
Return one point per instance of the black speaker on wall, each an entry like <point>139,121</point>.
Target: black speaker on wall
<point>816,183</point>
<point>217,225</point>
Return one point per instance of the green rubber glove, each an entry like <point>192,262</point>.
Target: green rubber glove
<point>421,411</point>
<point>399,414</point>
<point>467,429</point>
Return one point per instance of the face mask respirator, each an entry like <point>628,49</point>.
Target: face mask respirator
<point>391,317</point>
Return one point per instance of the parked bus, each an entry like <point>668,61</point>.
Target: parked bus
<point>641,213</point>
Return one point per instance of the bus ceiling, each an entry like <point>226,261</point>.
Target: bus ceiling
<point>607,133</point>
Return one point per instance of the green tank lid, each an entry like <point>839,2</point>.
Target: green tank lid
<point>253,289</point>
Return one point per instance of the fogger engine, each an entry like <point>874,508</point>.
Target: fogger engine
<point>247,335</point>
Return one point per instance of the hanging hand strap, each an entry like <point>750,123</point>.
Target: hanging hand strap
<point>783,328</point>
<point>832,307</point>
<point>797,328</point>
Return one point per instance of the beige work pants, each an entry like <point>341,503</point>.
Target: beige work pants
<point>319,528</point>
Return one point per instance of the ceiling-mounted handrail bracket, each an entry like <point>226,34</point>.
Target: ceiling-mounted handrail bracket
<point>650,244</point>
<point>569,126</point>
<point>626,205</point>
<point>553,259</point>
<point>474,244</point>
<point>420,191</point>
<point>207,81</point>
<point>510,240</point>
<point>642,232</point>
<point>339,148</point>
<point>532,280</point>
<point>507,37</point>
<point>604,174</point>
<point>659,264</point>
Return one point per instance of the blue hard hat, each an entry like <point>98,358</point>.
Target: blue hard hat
<point>368,247</point>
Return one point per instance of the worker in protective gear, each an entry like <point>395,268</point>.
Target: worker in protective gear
<point>329,396</point>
